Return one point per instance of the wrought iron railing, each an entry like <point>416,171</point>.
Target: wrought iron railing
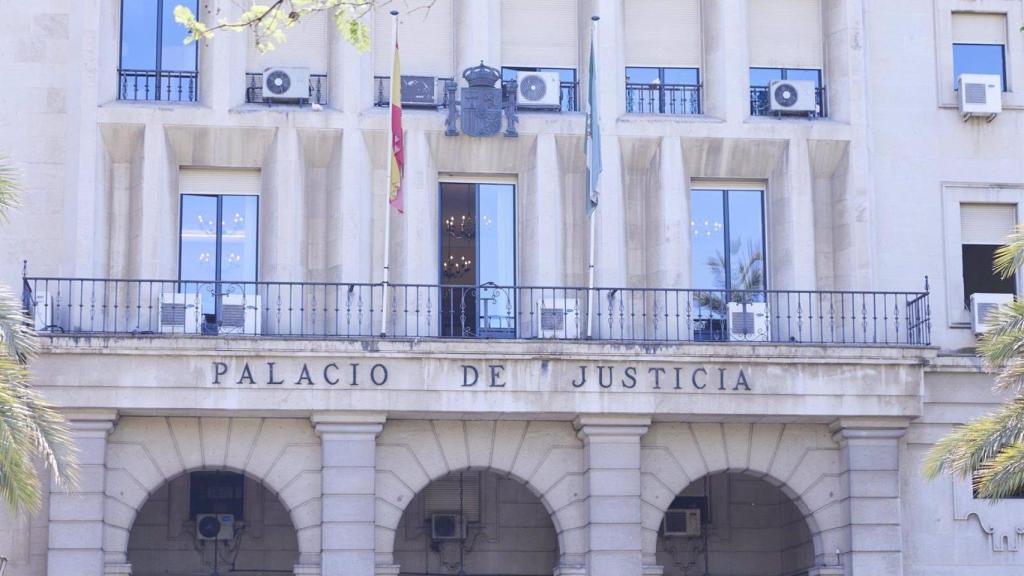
<point>760,105</point>
<point>436,98</point>
<point>570,100</point>
<point>658,98</point>
<point>254,88</point>
<point>160,85</point>
<point>345,310</point>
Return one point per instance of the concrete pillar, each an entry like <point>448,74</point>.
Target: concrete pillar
<point>726,72</point>
<point>612,484</point>
<point>870,492</point>
<point>349,444</point>
<point>350,212</point>
<point>222,61</point>
<point>546,246</point>
<point>611,58</point>
<point>148,205</point>
<point>669,244</point>
<point>350,74</point>
<point>76,517</point>
<point>797,271</point>
<point>416,257</point>
<point>282,210</point>
<point>478,33</point>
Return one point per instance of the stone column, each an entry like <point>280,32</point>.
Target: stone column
<point>349,444</point>
<point>669,242</point>
<point>478,33</point>
<point>612,484</point>
<point>870,492</point>
<point>76,517</point>
<point>726,75</point>
<point>351,73</point>
<point>549,240</point>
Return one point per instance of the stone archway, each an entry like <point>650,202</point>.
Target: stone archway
<point>546,457</point>
<point>144,453</point>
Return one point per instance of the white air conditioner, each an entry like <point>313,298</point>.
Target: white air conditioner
<point>540,90</point>
<point>447,526</point>
<point>980,95</point>
<point>792,97</point>
<point>240,314</point>
<point>748,322</point>
<point>181,313</point>
<point>981,305</point>
<point>558,318</point>
<point>684,522</point>
<point>419,91</point>
<point>42,311</point>
<point>286,83</point>
<point>215,526</point>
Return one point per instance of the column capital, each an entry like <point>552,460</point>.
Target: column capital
<point>590,425</point>
<point>339,422</point>
<point>868,428</point>
<point>90,419</point>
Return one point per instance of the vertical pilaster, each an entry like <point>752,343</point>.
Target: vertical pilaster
<point>610,227</point>
<point>794,224</point>
<point>549,238</point>
<point>612,483</point>
<point>669,241</point>
<point>148,205</point>
<point>222,62</point>
<point>350,76</point>
<point>478,33</point>
<point>349,444</point>
<point>870,491</point>
<point>76,516</point>
<point>283,210</point>
<point>726,70</point>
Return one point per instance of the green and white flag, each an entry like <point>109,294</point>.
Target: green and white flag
<point>593,144</point>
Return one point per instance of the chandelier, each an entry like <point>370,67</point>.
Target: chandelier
<point>460,226</point>
<point>452,267</point>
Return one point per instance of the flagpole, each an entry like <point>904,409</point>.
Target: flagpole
<point>387,194</point>
<point>593,220</point>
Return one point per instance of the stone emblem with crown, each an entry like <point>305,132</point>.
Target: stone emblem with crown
<point>482,104</point>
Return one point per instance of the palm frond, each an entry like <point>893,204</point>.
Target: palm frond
<point>1003,475</point>
<point>16,337</point>
<point>967,448</point>
<point>8,188</point>
<point>1010,257</point>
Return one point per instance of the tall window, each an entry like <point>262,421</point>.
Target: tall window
<point>156,64</point>
<point>662,90</point>
<point>979,45</point>
<point>476,260</point>
<point>761,78</point>
<point>567,77</point>
<point>983,229</point>
<point>727,255</point>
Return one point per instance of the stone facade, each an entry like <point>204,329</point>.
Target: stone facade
<point>804,458</point>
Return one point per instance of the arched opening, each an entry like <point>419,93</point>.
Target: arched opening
<point>479,522</point>
<point>206,522</point>
<point>734,524</point>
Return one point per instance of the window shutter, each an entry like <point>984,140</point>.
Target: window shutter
<point>539,33</point>
<point>663,33</point>
<point>218,181</point>
<point>986,223</point>
<point>308,44</point>
<point>978,28</point>
<point>425,36</point>
<point>442,495</point>
<point>785,34</point>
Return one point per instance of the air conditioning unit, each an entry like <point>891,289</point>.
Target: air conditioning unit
<point>447,526</point>
<point>42,311</point>
<point>981,305</point>
<point>240,314</point>
<point>539,90</point>
<point>748,322</point>
<point>181,313</point>
<point>792,97</point>
<point>980,95</point>
<point>286,84</point>
<point>683,522</point>
<point>419,91</point>
<point>215,526</point>
<point>558,318</point>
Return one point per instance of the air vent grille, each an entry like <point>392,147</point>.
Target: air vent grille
<point>974,93</point>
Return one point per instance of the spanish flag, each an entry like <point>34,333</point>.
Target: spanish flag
<point>397,139</point>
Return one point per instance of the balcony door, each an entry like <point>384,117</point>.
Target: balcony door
<point>476,260</point>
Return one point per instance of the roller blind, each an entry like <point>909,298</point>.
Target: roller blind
<point>976,28</point>
<point>443,495</point>
<point>664,33</point>
<point>785,34</point>
<point>307,44</point>
<point>218,181</point>
<point>539,33</point>
<point>425,36</point>
<point>986,223</point>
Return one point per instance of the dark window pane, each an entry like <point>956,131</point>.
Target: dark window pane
<point>216,493</point>
<point>978,273</point>
<point>138,34</point>
<point>978,59</point>
<point>458,235</point>
<point>175,55</point>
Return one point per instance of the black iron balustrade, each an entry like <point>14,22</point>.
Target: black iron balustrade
<point>382,93</point>
<point>350,310</point>
<point>760,105</point>
<point>161,85</point>
<point>570,100</point>
<point>254,88</point>
<point>657,98</point>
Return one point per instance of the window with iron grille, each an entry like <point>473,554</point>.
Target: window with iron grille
<point>655,90</point>
<point>155,63</point>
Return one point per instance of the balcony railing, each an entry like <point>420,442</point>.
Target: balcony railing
<point>684,99</point>
<point>161,85</point>
<point>340,310</point>
<point>759,104</point>
<point>254,88</point>
<point>382,92</point>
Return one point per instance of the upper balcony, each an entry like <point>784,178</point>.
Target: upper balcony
<point>312,310</point>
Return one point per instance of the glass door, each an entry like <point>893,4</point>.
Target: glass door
<point>476,262</point>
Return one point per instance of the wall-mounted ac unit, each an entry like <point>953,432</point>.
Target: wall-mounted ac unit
<point>447,526</point>
<point>286,84</point>
<point>42,311</point>
<point>682,522</point>
<point>748,322</point>
<point>181,313</point>
<point>215,526</point>
<point>981,305</point>
<point>792,97</point>
<point>539,90</point>
<point>240,314</point>
<point>558,318</point>
<point>419,91</point>
<point>980,95</point>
